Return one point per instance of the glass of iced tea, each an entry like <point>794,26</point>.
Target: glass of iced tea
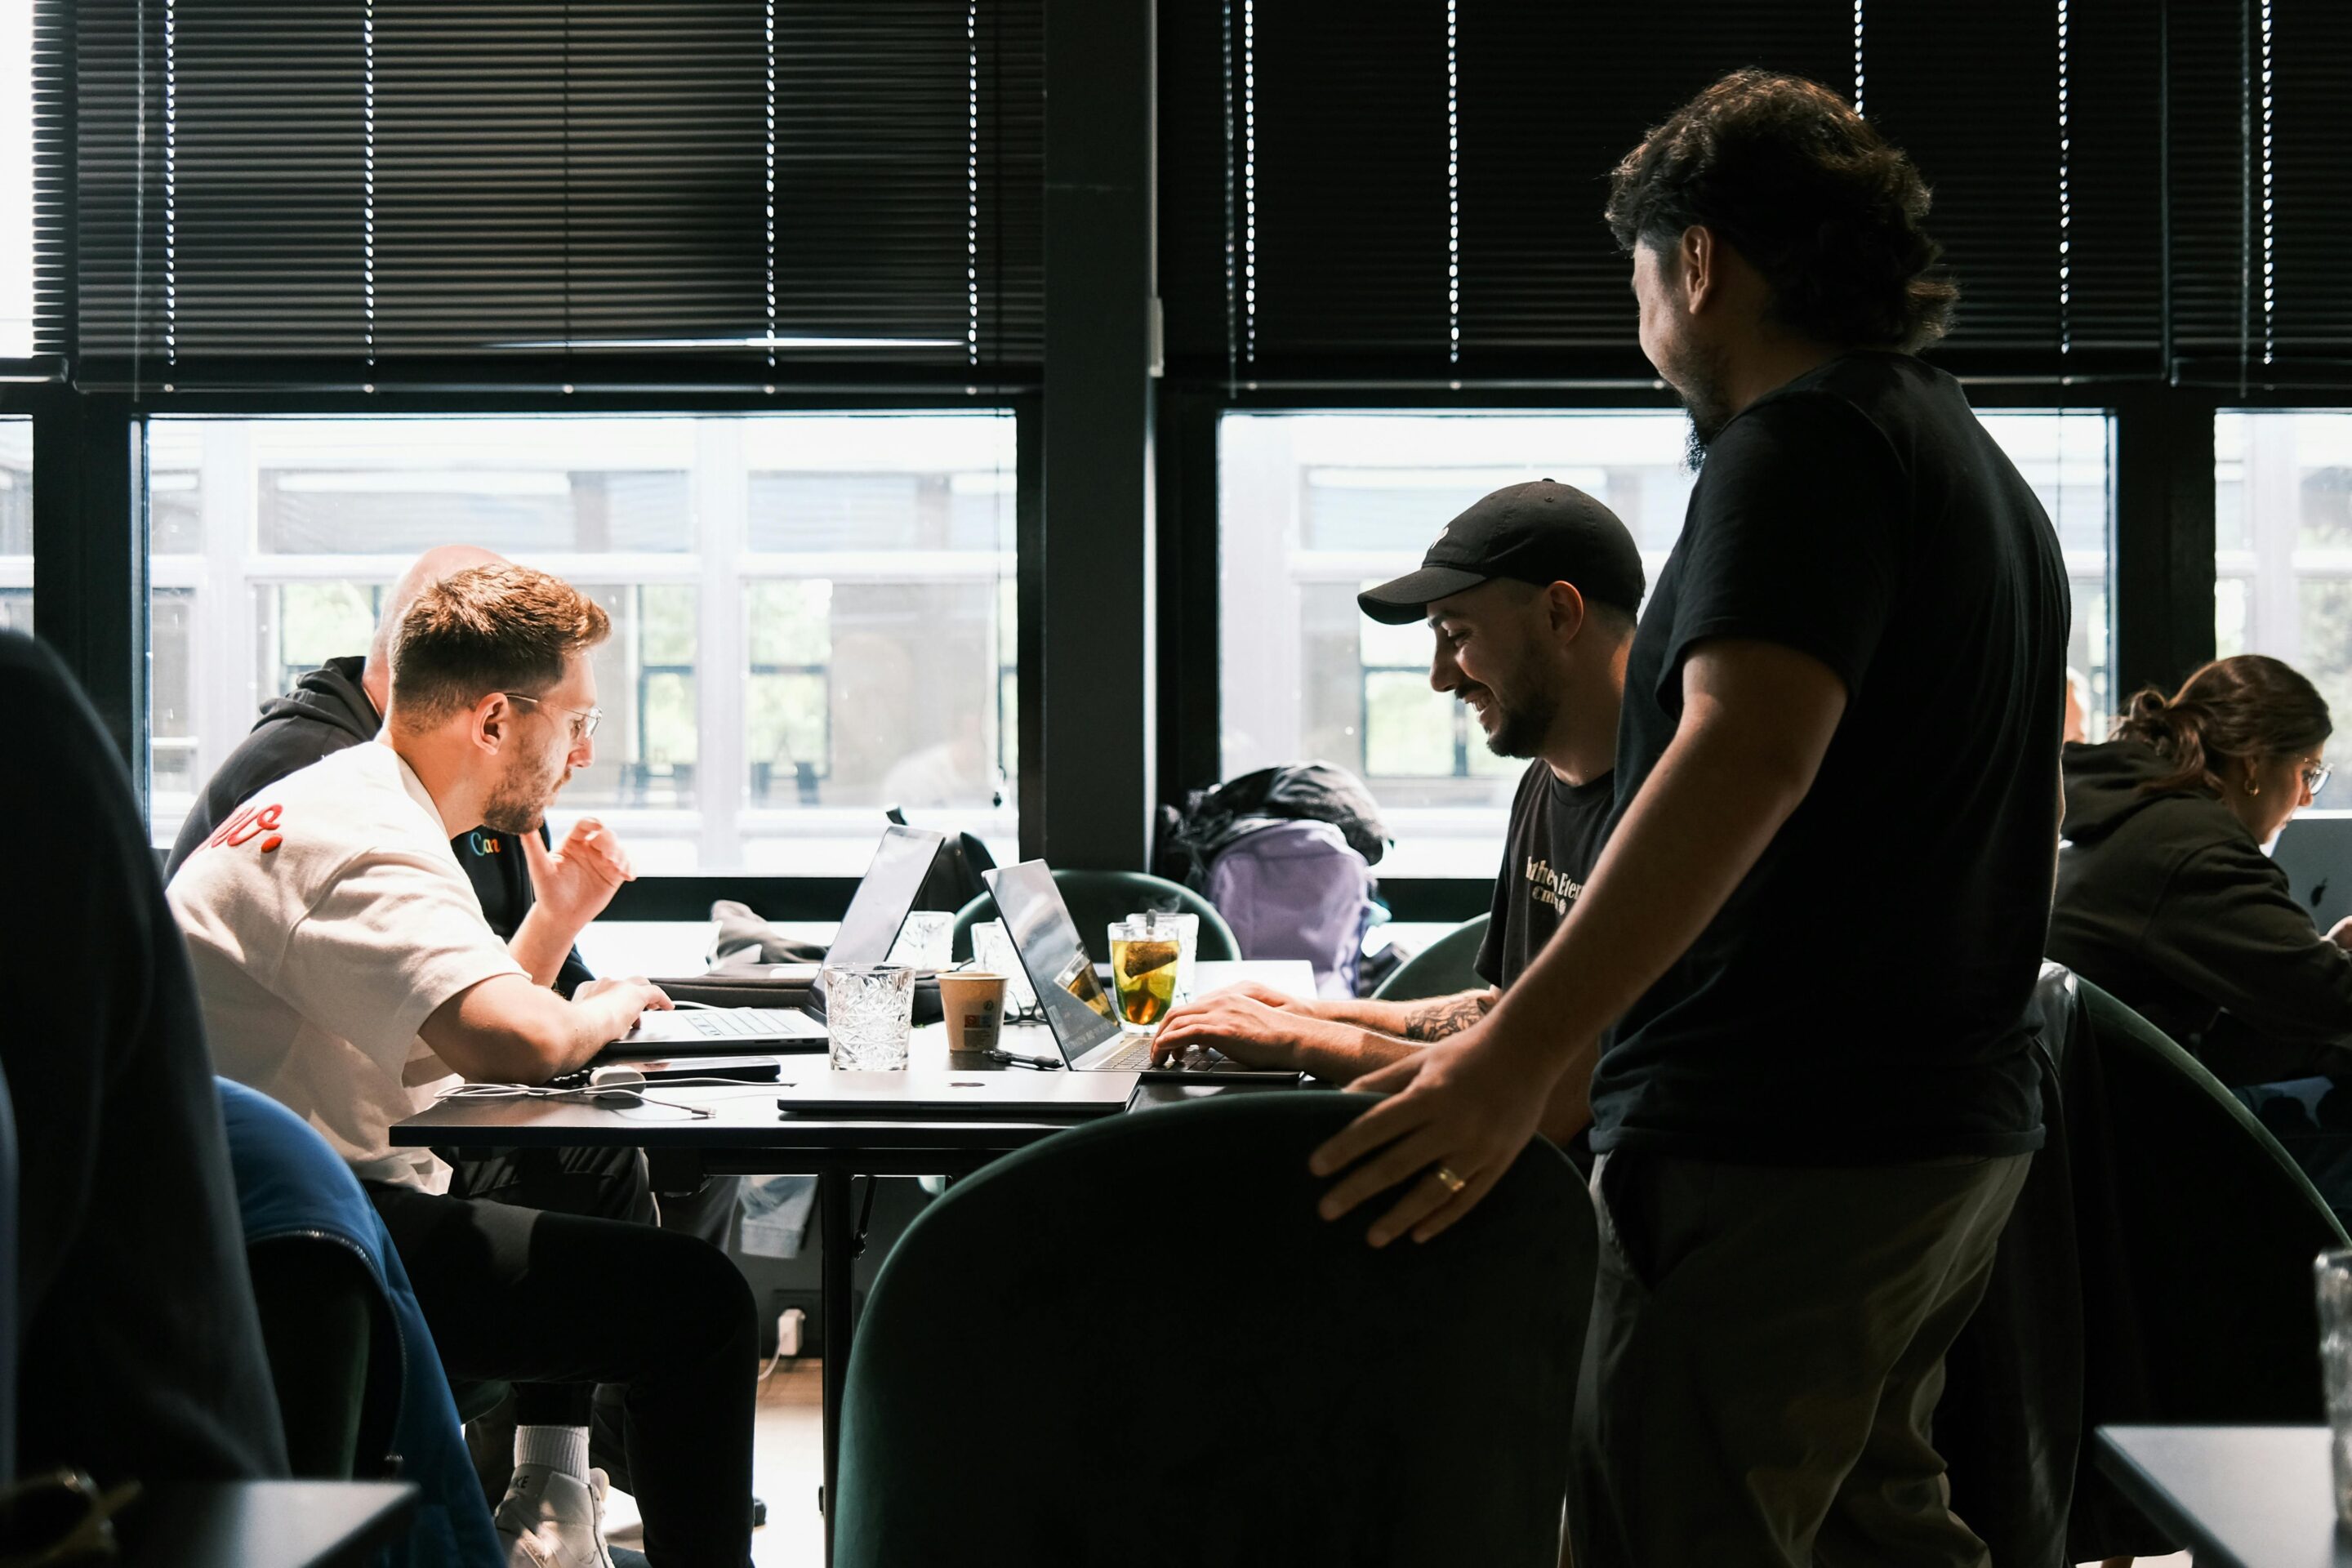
<point>1143,968</point>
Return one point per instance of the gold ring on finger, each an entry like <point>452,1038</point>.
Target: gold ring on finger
<point>1449,1179</point>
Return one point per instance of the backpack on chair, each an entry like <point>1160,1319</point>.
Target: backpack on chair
<point>1297,890</point>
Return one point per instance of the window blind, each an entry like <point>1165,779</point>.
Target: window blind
<point>343,190</point>
<point>2261,193</point>
<point>1416,190</point>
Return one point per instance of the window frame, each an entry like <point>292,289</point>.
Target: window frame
<point>92,597</point>
<point>1188,497</point>
<point>681,896</point>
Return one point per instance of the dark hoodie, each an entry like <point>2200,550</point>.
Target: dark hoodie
<point>2165,900</point>
<point>328,711</point>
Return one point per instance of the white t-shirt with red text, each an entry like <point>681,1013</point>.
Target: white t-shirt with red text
<point>326,920</point>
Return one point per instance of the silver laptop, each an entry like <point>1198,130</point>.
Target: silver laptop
<point>868,928</point>
<point>2315,851</point>
<point>1078,1010</point>
<point>810,1089</point>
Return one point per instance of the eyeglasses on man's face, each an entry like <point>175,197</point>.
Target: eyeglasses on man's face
<point>584,721</point>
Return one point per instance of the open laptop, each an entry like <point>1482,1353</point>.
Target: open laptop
<point>2315,851</point>
<point>868,928</point>
<point>1081,1014</point>
<point>813,1090</point>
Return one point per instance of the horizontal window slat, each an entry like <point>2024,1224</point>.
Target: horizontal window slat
<point>529,171</point>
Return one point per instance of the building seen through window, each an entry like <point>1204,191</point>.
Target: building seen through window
<point>2282,550</point>
<point>1315,507</point>
<point>811,614</point>
<point>17,523</point>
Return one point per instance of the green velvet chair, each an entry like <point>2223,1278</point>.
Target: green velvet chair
<point>1441,969</point>
<point>2157,1269</point>
<point>1137,1343</point>
<point>1098,898</point>
<point>2205,1312</point>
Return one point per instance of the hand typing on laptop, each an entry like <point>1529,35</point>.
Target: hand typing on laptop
<point>648,996</point>
<point>1262,1028</point>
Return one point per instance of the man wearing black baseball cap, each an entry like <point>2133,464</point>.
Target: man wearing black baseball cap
<point>1531,595</point>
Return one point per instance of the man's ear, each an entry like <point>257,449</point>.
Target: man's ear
<point>1699,255</point>
<point>1564,607</point>
<point>491,721</point>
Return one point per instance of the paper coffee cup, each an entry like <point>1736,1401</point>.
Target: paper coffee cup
<point>973,1004</point>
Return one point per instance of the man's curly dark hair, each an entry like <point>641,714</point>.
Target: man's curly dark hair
<point>1810,193</point>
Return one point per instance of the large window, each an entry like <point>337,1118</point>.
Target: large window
<point>1316,506</point>
<point>813,615</point>
<point>2282,548</point>
<point>16,524</point>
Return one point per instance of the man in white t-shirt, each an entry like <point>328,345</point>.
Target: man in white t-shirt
<point>344,967</point>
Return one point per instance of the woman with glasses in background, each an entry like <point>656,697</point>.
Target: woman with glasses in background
<point>2166,897</point>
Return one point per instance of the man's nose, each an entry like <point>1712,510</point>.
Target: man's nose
<point>1444,675</point>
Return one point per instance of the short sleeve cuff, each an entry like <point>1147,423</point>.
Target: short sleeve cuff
<point>435,980</point>
<point>1815,642</point>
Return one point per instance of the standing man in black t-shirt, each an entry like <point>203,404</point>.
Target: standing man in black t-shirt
<point>1820,911</point>
<point>1530,595</point>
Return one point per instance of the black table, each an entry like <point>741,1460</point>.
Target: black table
<point>2241,1497</point>
<point>265,1524</point>
<point>749,1137</point>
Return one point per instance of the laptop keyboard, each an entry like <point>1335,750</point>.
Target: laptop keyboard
<point>1132,1056</point>
<point>718,1023</point>
<point>1135,1056</point>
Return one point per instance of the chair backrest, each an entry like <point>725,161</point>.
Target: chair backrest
<point>2217,1228</point>
<point>1442,968</point>
<point>1095,899</point>
<point>1137,1342</point>
<point>1297,890</point>
<point>293,1191</point>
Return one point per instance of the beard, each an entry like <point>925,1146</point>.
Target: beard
<point>519,802</point>
<point>1520,728</point>
<point>1698,379</point>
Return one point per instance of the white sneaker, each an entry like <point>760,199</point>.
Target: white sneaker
<point>550,1519</point>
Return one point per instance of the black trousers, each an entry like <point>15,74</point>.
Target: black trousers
<point>1765,1357</point>
<point>601,1183</point>
<point>537,1297</point>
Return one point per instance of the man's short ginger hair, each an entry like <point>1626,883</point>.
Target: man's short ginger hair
<point>485,629</point>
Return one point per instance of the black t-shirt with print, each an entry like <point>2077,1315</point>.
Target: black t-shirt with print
<point>1557,830</point>
<point>1860,997</point>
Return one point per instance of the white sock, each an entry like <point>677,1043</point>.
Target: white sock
<point>563,1449</point>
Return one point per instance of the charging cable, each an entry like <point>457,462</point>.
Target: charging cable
<point>605,1086</point>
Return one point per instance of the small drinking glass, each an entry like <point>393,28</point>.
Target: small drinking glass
<point>926,940</point>
<point>993,949</point>
<point>869,1015</point>
<point>1187,946</point>
<point>2332,1273</point>
<point>1143,968</point>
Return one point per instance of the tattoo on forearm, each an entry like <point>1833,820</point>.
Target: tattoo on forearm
<point>1444,1015</point>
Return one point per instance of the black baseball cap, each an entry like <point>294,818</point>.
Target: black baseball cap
<point>1540,531</point>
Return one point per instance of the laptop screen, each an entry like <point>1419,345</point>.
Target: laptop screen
<point>1060,969</point>
<point>871,923</point>
<point>2315,853</point>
